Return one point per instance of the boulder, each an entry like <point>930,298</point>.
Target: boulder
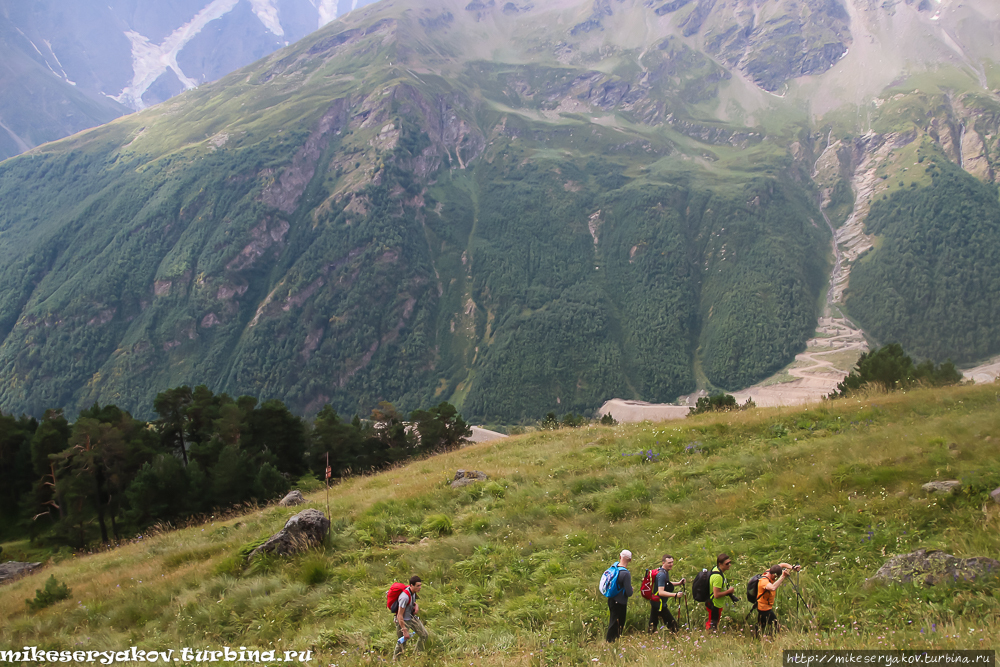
<point>942,486</point>
<point>933,567</point>
<point>305,529</point>
<point>292,499</point>
<point>995,495</point>
<point>466,477</point>
<point>11,570</point>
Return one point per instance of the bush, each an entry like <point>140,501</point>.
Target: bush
<point>314,571</point>
<point>53,592</point>
<point>494,489</point>
<point>437,525</point>
<point>889,368</point>
<point>719,403</point>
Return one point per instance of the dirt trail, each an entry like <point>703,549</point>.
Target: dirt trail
<point>985,373</point>
<point>830,354</point>
<point>828,358</point>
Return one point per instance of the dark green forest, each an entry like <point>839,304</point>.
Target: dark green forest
<point>484,286</point>
<point>106,475</point>
<point>933,281</point>
<point>382,236</point>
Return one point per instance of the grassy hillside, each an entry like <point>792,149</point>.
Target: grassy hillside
<point>835,487</point>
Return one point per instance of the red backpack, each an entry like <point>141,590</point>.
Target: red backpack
<point>648,587</point>
<point>392,597</point>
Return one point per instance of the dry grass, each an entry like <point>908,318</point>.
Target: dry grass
<point>834,486</point>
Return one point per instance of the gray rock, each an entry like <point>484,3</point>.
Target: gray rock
<point>11,570</point>
<point>305,529</point>
<point>292,499</point>
<point>942,486</point>
<point>466,477</point>
<point>995,495</point>
<point>933,567</point>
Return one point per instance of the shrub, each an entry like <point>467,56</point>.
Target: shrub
<point>437,524</point>
<point>495,490</point>
<point>476,524</point>
<point>719,403</point>
<point>53,592</point>
<point>314,571</point>
<point>615,510</point>
<point>889,368</point>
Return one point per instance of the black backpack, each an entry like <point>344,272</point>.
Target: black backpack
<point>752,588</point>
<point>699,587</point>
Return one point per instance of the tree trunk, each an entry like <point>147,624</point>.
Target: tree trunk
<point>98,481</point>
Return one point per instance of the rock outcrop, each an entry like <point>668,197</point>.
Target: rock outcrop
<point>292,499</point>
<point>11,570</point>
<point>932,568</point>
<point>466,477</point>
<point>306,529</point>
<point>947,486</point>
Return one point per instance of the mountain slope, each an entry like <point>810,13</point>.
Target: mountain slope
<point>67,64</point>
<point>515,208</point>
<point>510,566</point>
<point>37,106</point>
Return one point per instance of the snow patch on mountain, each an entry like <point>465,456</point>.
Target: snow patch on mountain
<point>62,73</point>
<point>150,61</point>
<point>327,10</point>
<point>268,15</point>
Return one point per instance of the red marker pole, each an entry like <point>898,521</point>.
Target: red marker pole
<point>329,471</point>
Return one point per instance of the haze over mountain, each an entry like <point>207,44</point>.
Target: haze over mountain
<point>73,65</point>
<point>518,207</point>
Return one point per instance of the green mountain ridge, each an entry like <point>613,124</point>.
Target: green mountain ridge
<point>424,203</point>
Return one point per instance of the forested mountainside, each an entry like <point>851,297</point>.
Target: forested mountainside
<point>511,207</point>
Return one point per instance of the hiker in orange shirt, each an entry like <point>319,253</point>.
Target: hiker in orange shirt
<point>766,587</point>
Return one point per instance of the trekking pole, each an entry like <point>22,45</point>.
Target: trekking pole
<point>797,575</point>
<point>686,612</point>
<point>798,595</point>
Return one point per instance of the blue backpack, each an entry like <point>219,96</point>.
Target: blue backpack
<point>609,586</point>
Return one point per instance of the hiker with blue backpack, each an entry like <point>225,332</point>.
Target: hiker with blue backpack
<point>616,586</point>
<point>402,601</point>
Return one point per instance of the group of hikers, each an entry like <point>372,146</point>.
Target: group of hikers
<point>710,587</point>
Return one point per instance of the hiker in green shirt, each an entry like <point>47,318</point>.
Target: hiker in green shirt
<point>720,588</point>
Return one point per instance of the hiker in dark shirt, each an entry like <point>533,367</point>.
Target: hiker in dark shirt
<point>618,604</point>
<point>664,590</point>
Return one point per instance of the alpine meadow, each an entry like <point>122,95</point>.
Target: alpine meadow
<point>325,266</point>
